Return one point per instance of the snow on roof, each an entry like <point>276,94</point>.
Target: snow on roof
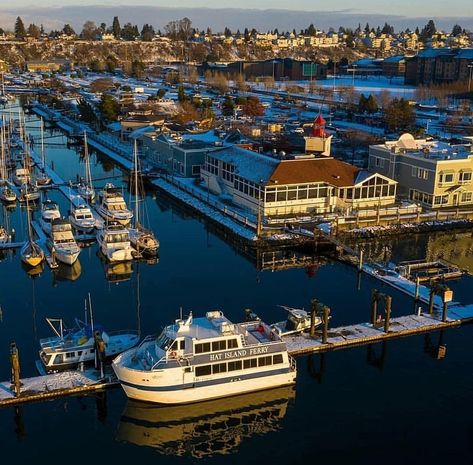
<point>465,54</point>
<point>248,164</point>
<point>137,133</point>
<point>210,137</point>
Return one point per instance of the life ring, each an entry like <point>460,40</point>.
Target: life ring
<point>172,354</point>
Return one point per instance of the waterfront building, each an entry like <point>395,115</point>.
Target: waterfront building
<point>433,173</point>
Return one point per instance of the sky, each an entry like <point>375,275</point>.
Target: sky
<point>409,8</point>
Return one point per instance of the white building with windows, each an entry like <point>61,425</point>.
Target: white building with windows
<point>433,173</point>
<point>301,184</point>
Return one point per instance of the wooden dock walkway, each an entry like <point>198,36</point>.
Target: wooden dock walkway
<point>55,385</point>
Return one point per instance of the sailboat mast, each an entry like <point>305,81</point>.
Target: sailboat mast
<point>43,161</point>
<point>137,208</point>
<point>3,170</point>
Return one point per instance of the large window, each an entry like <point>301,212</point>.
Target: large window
<point>205,370</point>
<point>211,165</point>
<point>445,178</point>
<point>467,197</point>
<point>465,176</point>
<point>419,196</point>
<point>420,173</point>
<point>202,348</point>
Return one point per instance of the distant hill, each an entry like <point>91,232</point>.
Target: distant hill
<point>217,19</point>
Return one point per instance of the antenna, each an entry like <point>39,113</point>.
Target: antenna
<point>180,312</point>
<point>91,314</point>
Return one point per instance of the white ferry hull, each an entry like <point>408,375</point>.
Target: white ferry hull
<point>130,380</point>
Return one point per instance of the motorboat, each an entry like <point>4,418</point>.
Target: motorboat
<point>298,321</point>
<point>7,194</point>
<point>82,219</point>
<point>205,358</point>
<point>112,206</point>
<point>42,178</point>
<point>114,243</point>
<point>29,192</point>
<point>68,348</point>
<point>49,212</point>
<point>21,176</point>
<point>4,236</point>
<point>61,242</point>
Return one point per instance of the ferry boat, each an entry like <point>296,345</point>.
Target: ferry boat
<point>114,243</point>
<point>68,348</point>
<point>112,206</point>
<point>62,242</point>
<point>205,358</point>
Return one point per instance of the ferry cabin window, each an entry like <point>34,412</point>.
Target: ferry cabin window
<point>277,359</point>
<point>182,344</point>
<point>219,345</point>
<point>202,348</point>
<point>233,366</point>
<point>232,344</point>
<point>70,354</point>
<point>264,361</point>
<point>250,363</point>
<point>203,370</point>
<point>219,368</point>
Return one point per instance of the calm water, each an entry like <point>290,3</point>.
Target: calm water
<point>393,402</point>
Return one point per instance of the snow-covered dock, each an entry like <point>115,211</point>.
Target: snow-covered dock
<point>54,385</point>
<point>365,333</point>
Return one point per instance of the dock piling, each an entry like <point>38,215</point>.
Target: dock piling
<point>15,369</point>
<point>387,319</point>
<point>326,316</point>
<point>374,305</point>
<point>313,313</point>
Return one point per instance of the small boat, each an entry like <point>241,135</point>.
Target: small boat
<point>298,320</point>
<point>199,359</point>
<point>21,176</point>
<point>114,243</point>
<point>42,179</point>
<point>69,348</point>
<point>142,239</point>
<point>4,236</point>
<point>49,212</point>
<point>82,219</point>
<point>7,194</point>
<point>31,254</point>
<point>29,192</point>
<point>62,242</point>
<point>112,206</point>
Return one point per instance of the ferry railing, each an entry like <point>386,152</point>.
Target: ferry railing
<point>292,362</point>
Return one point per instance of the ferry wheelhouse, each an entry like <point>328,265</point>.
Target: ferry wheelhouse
<point>205,358</point>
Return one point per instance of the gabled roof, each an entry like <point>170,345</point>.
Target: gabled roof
<point>328,170</point>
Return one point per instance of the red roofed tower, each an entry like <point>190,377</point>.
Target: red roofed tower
<point>319,142</point>
<point>318,129</point>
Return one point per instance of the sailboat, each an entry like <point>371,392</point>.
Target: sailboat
<point>31,253</point>
<point>6,193</point>
<point>85,187</point>
<point>42,178</point>
<point>142,239</point>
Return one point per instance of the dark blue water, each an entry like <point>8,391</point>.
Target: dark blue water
<point>384,404</point>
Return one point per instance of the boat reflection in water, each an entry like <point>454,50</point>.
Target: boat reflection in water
<point>118,272</point>
<point>34,271</point>
<point>206,428</point>
<point>68,273</point>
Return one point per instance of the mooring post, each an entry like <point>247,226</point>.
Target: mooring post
<point>374,305</point>
<point>444,311</point>
<point>431,298</point>
<point>417,288</point>
<point>360,261</point>
<point>313,313</point>
<point>387,320</point>
<point>326,314</point>
<point>15,368</point>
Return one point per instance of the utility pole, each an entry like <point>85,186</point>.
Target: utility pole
<point>470,66</point>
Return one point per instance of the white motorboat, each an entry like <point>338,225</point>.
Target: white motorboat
<point>29,192</point>
<point>21,176</point>
<point>298,321</point>
<point>205,358</point>
<point>112,206</point>
<point>61,242</point>
<point>7,194</point>
<point>81,218</point>
<point>49,212</point>
<point>114,243</point>
<point>142,239</point>
<point>69,348</point>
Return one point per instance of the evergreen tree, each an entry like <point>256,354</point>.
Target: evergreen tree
<point>399,115</point>
<point>68,30</point>
<point>147,33</point>
<point>20,31</point>
<point>311,31</point>
<point>116,29</point>
<point>456,30</point>
<point>428,31</point>
<point>228,107</point>
<point>34,31</point>
<point>181,94</point>
<point>108,108</point>
<point>227,32</point>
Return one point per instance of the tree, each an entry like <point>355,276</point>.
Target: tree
<point>252,107</point>
<point>181,94</point>
<point>34,31</point>
<point>116,29</point>
<point>108,108</point>
<point>89,31</point>
<point>129,32</point>
<point>187,113</point>
<point>68,30</point>
<point>456,30</point>
<point>228,107</point>
<point>371,104</point>
<point>147,33</point>
<point>311,31</point>
<point>20,31</point>
<point>86,111</point>
<point>227,32</point>
<point>137,69</point>
<point>399,115</point>
<point>101,85</point>
<point>161,93</point>
<point>428,31</point>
